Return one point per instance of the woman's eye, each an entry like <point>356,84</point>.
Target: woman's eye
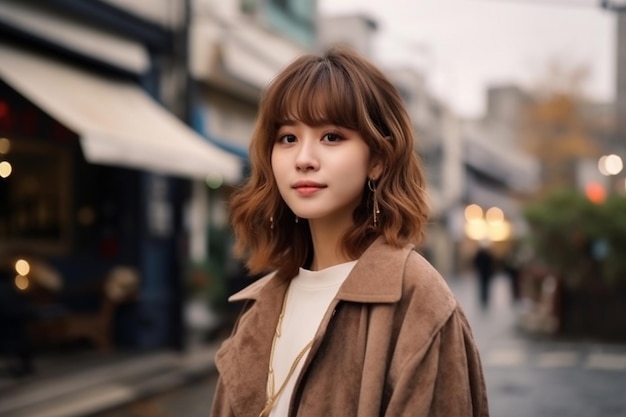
<point>287,139</point>
<point>332,137</point>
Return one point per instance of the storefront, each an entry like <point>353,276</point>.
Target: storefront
<point>95,177</point>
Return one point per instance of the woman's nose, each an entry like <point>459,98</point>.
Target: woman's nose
<point>306,159</point>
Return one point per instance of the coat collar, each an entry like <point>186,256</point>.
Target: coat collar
<point>376,277</point>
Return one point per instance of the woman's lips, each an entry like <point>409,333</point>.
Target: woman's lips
<point>306,188</point>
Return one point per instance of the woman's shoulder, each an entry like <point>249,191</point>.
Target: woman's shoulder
<point>426,289</point>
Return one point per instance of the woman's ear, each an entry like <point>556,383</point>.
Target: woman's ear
<point>376,165</point>
<point>376,170</point>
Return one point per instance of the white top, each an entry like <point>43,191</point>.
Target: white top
<point>309,296</point>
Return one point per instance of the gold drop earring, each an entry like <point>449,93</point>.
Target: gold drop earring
<point>372,186</point>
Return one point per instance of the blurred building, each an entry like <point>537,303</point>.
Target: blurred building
<point>619,142</point>
<point>610,124</point>
<point>439,148</point>
<point>500,174</point>
<point>235,49</point>
<point>97,164</point>
<point>528,145</point>
<point>494,146</point>
<point>621,75</point>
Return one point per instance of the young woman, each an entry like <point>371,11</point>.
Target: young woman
<point>351,321</point>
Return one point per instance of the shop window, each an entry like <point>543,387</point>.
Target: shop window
<point>34,196</point>
<point>293,18</point>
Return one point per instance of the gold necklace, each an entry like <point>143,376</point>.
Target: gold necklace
<point>272,394</point>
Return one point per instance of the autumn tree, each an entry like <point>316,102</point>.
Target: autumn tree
<point>560,125</point>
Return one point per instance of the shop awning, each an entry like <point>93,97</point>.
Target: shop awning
<point>52,26</point>
<point>118,123</point>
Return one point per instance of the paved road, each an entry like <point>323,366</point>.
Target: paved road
<point>536,377</point>
<point>526,377</point>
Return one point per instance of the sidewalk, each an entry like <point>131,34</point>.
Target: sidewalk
<point>87,385</point>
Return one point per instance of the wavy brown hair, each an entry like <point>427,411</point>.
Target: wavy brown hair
<point>344,89</point>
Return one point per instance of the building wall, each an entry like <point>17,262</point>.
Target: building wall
<point>227,119</point>
<point>506,108</point>
<point>621,75</point>
<point>354,30</point>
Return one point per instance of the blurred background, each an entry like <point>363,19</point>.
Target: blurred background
<point>124,127</point>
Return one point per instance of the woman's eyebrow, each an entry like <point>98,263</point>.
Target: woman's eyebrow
<point>287,122</point>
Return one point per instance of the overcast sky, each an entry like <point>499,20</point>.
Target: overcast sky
<point>465,45</point>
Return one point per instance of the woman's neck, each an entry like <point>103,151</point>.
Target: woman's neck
<point>326,239</point>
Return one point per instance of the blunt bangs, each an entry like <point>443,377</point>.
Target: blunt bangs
<point>320,93</point>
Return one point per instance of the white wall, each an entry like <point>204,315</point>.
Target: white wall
<point>354,30</point>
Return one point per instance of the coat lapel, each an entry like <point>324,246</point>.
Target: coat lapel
<point>242,361</point>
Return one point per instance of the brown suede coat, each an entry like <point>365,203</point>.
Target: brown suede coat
<point>394,342</point>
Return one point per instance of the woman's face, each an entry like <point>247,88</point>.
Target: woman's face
<point>321,171</point>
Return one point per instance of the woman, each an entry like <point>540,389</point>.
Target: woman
<point>352,321</point>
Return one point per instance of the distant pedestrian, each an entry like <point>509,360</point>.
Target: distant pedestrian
<point>353,321</point>
<point>517,259</point>
<point>484,264</point>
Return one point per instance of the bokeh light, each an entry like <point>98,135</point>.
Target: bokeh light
<point>491,227</point>
<point>610,164</point>
<point>5,146</point>
<point>494,215</point>
<point>5,169</point>
<point>473,212</point>
<point>595,192</point>
<point>22,267</point>
<point>21,282</point>
<point>214,182</point>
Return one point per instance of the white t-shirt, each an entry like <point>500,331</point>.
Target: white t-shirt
<point>309,296</point>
